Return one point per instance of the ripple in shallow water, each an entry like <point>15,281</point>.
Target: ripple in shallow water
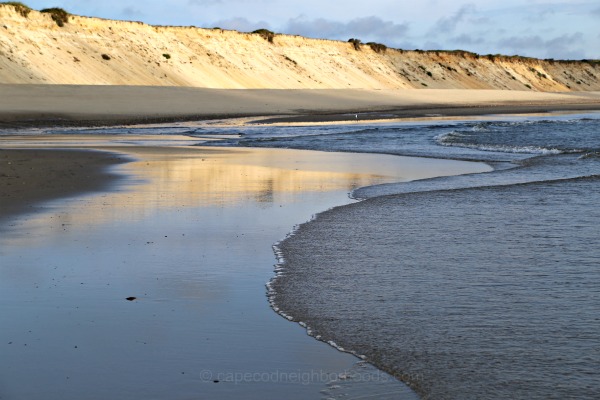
<point>476,293</point>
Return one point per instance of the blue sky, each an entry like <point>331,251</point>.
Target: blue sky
<point>559,29</point>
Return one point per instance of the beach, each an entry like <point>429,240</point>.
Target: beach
<point>24,108</point>
<point>85,105</point>
<point>92,218</point>
<point>187,231</point>
<point>210,213</point>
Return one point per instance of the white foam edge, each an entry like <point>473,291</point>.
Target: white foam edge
<point>279,269</point>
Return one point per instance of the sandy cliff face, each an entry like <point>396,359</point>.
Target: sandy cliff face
<point>91,51</point>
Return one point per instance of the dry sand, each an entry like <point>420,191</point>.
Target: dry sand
<point>23,105</point>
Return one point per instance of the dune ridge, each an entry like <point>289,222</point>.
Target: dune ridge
<point>93,51</point>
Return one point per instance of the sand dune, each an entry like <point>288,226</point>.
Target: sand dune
<point>92,51</point>
<point>94,70</point>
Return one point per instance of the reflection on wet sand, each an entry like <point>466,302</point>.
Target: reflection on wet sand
<point>181,177</point>
<point>229,177</point>
<point>189,234</point>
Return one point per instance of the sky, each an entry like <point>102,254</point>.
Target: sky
<point>559,29</point>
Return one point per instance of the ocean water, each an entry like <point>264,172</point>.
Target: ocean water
<point>479,286</point>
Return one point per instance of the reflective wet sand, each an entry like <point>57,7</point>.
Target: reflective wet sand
<point>188,233</point>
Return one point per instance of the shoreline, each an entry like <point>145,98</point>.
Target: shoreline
<point>434,112</point>
<point>101,161</point>
<point>34,120</point>
<point>46,106</point>
<point>83,170</point>
<point>97,177</point>
<point>208,199</point>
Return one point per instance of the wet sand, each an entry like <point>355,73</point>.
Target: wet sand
<point>29,177</point>
<point>187,232</point>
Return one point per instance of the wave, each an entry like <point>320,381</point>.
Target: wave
<point>592,155</point>
<point>272,293</point>
<point>546,181</point>
<point>452,139</point>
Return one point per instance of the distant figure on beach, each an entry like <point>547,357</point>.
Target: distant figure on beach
<point>356,116</point>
